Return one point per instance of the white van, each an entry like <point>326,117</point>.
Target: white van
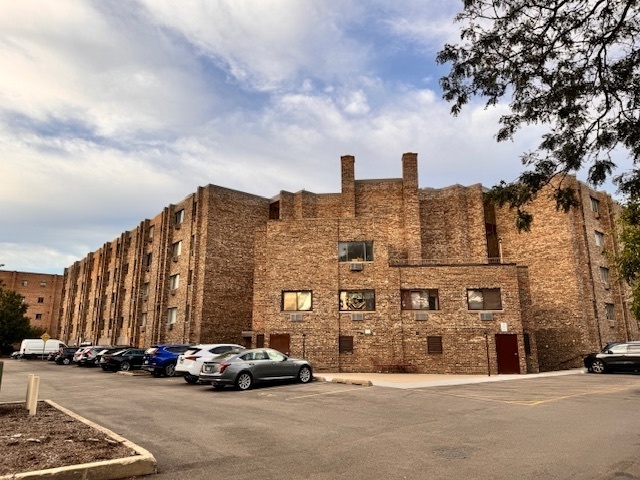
<point>36,347</point>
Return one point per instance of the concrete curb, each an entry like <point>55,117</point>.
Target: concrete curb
<point>144,463</point>
<point>346,381</point>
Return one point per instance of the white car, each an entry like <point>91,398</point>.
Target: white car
<point>190,362</point>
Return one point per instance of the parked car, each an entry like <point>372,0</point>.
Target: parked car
<point>88,357</point>
<point>243,369</point>
<point>161,359</point>
<point>190,362</point>
<point>79,352</point>
<point>623,356</point>
<point>52,356</point>
<point>66,357</point>
<point>15,355</point>
<point>125,360</point>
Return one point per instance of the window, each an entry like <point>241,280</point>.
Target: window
<point>38,316</point>
<point>595,205</point>
<point>43,284</point>
<point>40,299</point>
<point>357,300</point>
<point>599,239</point>
<point>148,260</point>
<point>419,299</point>
<point>484,299</point>
<point>24,283</point>
<point>179,216</point>
<point>151,232</point>
<point>609,311</point>
<point>355,251</point>
<point>296,300</point>
<point>190,277</point>
<point>434,344</point>
<point>145,289</point>
<point>143,319</point>
<point>176,248</point>
<point>527,344</point>
<point>604,274</point>
<point>172,315</point>
<point>345,344</point>
<point>174,281</point>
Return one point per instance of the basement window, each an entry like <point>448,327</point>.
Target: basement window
<point>355,251</point>
<point>484,299</point>
<point>434,344</point>
<point>426,299</point>
<point>360,300</point>
<point>345,344</point>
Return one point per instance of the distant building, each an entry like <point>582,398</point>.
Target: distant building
<point>41,292</point>
<point>381,276</point>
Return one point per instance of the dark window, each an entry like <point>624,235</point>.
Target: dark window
<point>260,340</point>
<point>595,205</point>
<point>355,251</point>
<point>148,259</point>
<point>610,311</point>
<point>345,344</point>
<point>527,344</point>
<point>364,300</point>
<point>434,344</point>
<point>40,299</point>
<point>292,301</point>
<point>484,299</point>
<point>38,316</point>
<point>419,299</point>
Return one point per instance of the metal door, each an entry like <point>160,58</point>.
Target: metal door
<point>507,353</point>
<point>280,342</point>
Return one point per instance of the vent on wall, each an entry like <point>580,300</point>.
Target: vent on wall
<point>296,317</point>
<point>486,315</point>
<point>420,316</point>
<point>357,316</point>
<point>356,267</point>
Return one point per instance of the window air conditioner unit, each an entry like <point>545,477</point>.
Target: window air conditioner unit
<point>296,317</point>
<point>142,329</point>
<point>420,316</point>
<point>607,286</point>
<point>486,315</point>
<point>170,326</point>
<point>173,292</point>
<point>178,226</point>
<point>147,269</point>
<point>356,267</point>
<point>175,259</point>
<point>150,239</point>
<point>357,316</point>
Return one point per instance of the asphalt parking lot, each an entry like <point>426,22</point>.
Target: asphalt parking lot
<point>566,427</point>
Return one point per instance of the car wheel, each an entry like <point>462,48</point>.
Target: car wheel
<point>304,375</point>
<point>125,366</point>
<point>66,361</point>
<point>244,381</point>
<point>192,379</point>
<point>104,368</point>
<point>170,370</point>
<point>598,366</point>
<point>156,373</point>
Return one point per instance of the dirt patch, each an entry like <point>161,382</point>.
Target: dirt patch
<point>50,439</point>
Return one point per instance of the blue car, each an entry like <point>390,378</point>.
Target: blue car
<point>161,359</point>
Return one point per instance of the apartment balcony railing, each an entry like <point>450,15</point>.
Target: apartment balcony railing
<point>425,262</point>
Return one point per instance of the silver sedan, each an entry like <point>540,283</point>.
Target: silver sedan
<point>243,369</point>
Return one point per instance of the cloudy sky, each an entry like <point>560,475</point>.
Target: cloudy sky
<point>111,110</point>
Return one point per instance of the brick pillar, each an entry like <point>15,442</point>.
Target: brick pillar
<point>348,186</point>
<point>411,205</point>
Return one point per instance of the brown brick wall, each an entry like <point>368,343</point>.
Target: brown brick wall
<point>42,293</point>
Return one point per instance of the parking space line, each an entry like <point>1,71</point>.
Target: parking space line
<point>333,392</point>
<point>532,403</point>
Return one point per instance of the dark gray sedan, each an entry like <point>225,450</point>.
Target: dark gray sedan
<point>244,368</point>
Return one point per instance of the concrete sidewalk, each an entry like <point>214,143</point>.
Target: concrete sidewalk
<point>422,380</point>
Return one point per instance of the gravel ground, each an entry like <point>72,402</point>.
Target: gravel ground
<point>50,439</point>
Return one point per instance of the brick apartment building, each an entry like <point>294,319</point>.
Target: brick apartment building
<point>41,292</point>
<point>381,275</point>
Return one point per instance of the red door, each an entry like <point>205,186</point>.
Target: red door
<point>280,343</point>
<point>507,353</point>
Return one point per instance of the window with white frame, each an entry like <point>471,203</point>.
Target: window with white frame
<point>24,283</point>
<point>355,251</point>
<point>295,301</point>
<point>143,319</point>
<point>419,299</point>
<point>179,216</point>
<point>43,284</point>
<point>484,299</point>
<point>174,281</point>
<point>599,239</point>
<point>362,300</point>
<point>177,248</point>
<point>172,315</point>
<point>595,205</point>
<point>604,274</point>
